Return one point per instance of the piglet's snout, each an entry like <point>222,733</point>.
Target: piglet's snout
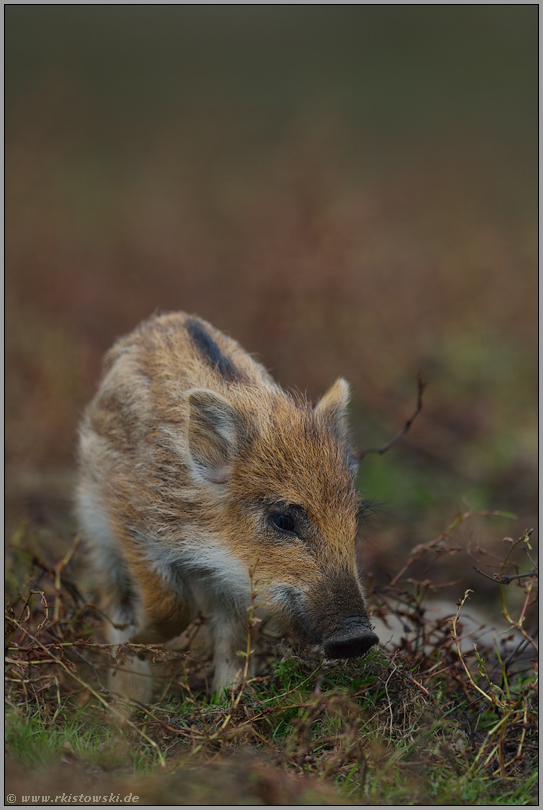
<point>353,639</point>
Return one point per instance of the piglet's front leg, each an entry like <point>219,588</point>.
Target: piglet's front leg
<point>231,637</point>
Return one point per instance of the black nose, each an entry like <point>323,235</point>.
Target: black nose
<point>352,640</point>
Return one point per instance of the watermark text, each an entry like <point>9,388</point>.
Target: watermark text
<point>73,798</point>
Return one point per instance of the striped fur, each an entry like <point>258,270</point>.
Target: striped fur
<point>190,455</point>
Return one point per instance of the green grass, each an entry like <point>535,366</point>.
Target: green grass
<point>32,741</point>
<point>425,766</point>
<point>428,725</point>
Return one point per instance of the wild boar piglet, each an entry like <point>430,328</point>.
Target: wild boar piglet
<point>196,467</point>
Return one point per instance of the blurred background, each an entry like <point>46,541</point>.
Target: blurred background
<point>346,190</point>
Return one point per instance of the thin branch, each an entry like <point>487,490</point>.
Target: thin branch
<point>505,579</point>
<point>380,450</point>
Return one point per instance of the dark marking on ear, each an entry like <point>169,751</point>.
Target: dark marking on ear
<point>211,353</point>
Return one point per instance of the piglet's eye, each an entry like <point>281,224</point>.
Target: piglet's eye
<point>282,522</point>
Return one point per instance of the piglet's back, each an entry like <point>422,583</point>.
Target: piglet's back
<point>147,374</point>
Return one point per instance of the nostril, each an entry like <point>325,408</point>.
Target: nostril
<point>350,645</point>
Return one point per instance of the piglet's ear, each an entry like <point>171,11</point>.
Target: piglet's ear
<point>332,408</point>
<point>213,434</point>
